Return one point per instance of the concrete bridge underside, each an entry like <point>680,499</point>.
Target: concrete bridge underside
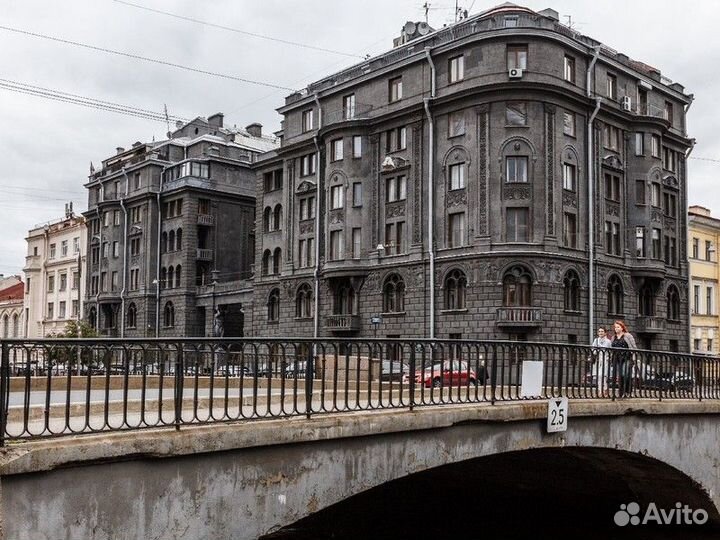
<point>250,480</point>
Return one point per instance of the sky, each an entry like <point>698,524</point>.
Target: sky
<point>47,146</point>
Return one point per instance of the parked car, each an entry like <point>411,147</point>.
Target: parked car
<point>674,381</point>
<point>232,370</point>
<point>393,370</point>
<point>296,368</point>
<point>448,373</point>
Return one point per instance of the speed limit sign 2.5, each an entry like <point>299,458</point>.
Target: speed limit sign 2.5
<point>557,415</point>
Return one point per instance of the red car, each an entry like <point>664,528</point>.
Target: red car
<point>449,373</point>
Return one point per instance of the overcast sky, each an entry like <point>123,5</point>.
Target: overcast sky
<point>47,146</point>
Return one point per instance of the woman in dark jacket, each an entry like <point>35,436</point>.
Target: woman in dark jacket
<point>622,357</point>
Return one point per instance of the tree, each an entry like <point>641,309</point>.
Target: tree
<point>66,354</point>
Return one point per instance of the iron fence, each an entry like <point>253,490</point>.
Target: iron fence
<point>60,387</point>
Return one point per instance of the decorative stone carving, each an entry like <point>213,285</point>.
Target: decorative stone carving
<point>492,271</point>
<point>612,209</point>
<point>482,207</point>
<point>570,199</point>
<point>456,198</point>
<point>516,192</point>
<point>417,183</point>
<point>395,209</point>
<point>306,186</point>
<point>307,226</point>
<point>390,163</point>
<point>671,181</point>
<point>656,216</point>
<point>337,216</point>
<point>371,281</point>
<point>611,160</point>
<point>289,287</point>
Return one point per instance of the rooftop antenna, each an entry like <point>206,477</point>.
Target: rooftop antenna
<point>167,119</point>
<point>426,6</point>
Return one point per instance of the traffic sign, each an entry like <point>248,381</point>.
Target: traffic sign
<point>376,320</point>
<point>557,415</point>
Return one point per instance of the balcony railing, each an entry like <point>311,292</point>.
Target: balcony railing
<point>650,325</point>
<point>518,316</point>
<point>206,219</point>
<point>204,254</point>
<point>342,323</point>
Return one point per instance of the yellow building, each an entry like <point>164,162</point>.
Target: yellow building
<point>703,239</point>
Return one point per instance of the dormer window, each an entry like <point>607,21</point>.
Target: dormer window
<point>511,21</point>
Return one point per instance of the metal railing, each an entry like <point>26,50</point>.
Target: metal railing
<point>57,387</point>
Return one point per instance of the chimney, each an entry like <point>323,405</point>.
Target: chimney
<point>254,129</point>
<point>550,14</point>
<point>119,149</point>
<point>216,120</point>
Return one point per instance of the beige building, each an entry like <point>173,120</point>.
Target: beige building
<point>703,238</point>
<point>53,282</point>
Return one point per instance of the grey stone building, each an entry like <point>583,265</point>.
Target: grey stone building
<point>503,177</point>
<point>166,221</point>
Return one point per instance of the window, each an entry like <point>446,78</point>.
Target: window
<point>612,238</point>
<point>304,302</point>
<point>569,123</point>
<point>668,112</point>
<point>267,255</point>
<point>571,286</point>
<point>51,284</point>
<point>62,310</point>
<point>272,180</point>
<point>708,300</point>
<point>639,144</point>
<point>75,309</point>
<point>395,89</point>
<point>569,230</point>
<point>336,150</point>
<point>611,137</point>
<point>106,219</point>
<point>396,139</point>
<point>51,310</point>
<point>655,244</point>
<point>337,197</point>
<point>357,146</point>
<point>336,245</point>
<point>277,221</point>
<point>696,344</point>
<point>640,242</point>
<point>27,285</point>
<point>516,168</point>
<point>134,279</point>
<point>569,177</point>
<point>615,296</point>
<point>456,123</point>
<point>456,69</point>
<point>640,197</point>
<point>669,250</point>
<point>349,107</point>
<point>52,251</point>
<point>94,286</point>
<point>63,283</point>
<point>116,249</point>
<point>517,56</point>
<point>510,21</point>
<point>516,224</point>
<point>356,242</point>
<point>134,246</point>
<point>169,315</point>
<point>131,318</point>
<point>516,114</point>
<point>655,146</point>
<point>75,280</point>
<point>646,301</point>
<point>64,248</point>
<point>137,184</point>
<point>612,187</point>
<point>105,250</point>
<point>307,165</point>
<point>670,205</point>
<point>456,229</point>
<point>396,188</point>
<point>611,86</point>
<point>457,176</point>
<point>307,208</point>
<point>277,261</point>
<point>76,245</point>
<point>569,69</point>
<point>708,250</point>
<point>695,248</point>
<point>394,294</point>
<point>517,283</point>
<point>642,101</point>
<point>116,217</point>
<point>395,238</point>
<point>114,281</point>
<point>178,276</point>
<point>357,194</point>
<point>135,215</point>
<point>307,120</point>
<point>655,194</point>
<point>455,284</point>
<point>673,303</point>
<point>669,159</point>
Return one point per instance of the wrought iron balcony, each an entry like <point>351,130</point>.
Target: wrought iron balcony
<point>518,316</point>
<point>204,254</point>
<point>342,323</point>
<point>207,220</point>
<point>650,325</point>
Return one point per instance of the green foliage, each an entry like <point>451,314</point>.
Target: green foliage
<point>67,355</point>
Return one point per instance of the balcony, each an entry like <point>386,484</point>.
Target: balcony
<point>342,323</point>
<point>648,268</point>
<point>650,325</point>
<point>204,255</point>
<point>207,220</point>
<point>518,317</point>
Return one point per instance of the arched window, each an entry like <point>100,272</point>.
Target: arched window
<point>267,219</point>
<point>178,275</point>
<point>345,301</point>
<point>131,319</point>
<point>170,277</point>
<point>571,284</point>
<point>6,326</point>
<point>164,243</point>
<point>16,325</point>
<point>178,240</point>
<point>273,305</point>
<point>673,303</point>
<point>303,301</point>
<point>92,317</point>
<point>163,277</point>
<point>517,287</point>
<point>277,261</point>
<point>277,218</point>
<point>394,294</point>
<point>646,301</point>
<point>615,295</point>
<point>169,318</point>
<point>455,284</point>
<point>171,241</point>
<point>266,262</point>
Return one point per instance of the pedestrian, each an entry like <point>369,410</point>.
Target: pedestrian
<point>622,342</point>
<point>602,367</point>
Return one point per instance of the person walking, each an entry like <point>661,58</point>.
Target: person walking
<point>602,367</point>
<point>622,342</point>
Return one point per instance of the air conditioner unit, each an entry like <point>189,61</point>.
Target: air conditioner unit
<point>627,103</point>
<point>515,73</point>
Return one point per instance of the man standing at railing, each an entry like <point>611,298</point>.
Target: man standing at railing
<point>602,367</point>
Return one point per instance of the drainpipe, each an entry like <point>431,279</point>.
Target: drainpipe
<point>591,199</point>
<point>125,250</point>
<point>431,191</point>
<point>316,272</point>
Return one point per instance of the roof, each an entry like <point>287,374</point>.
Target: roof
<point>14,292</point>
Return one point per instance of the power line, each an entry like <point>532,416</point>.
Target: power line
<point>237,30</point>
<point>705,159</point>
<point>143,58</point>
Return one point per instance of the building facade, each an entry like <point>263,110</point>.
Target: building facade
<point>703,237</point>
<point>167,219</point>
<point>54,286</point>
<point>504,177</point>
<point>12,295</point>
